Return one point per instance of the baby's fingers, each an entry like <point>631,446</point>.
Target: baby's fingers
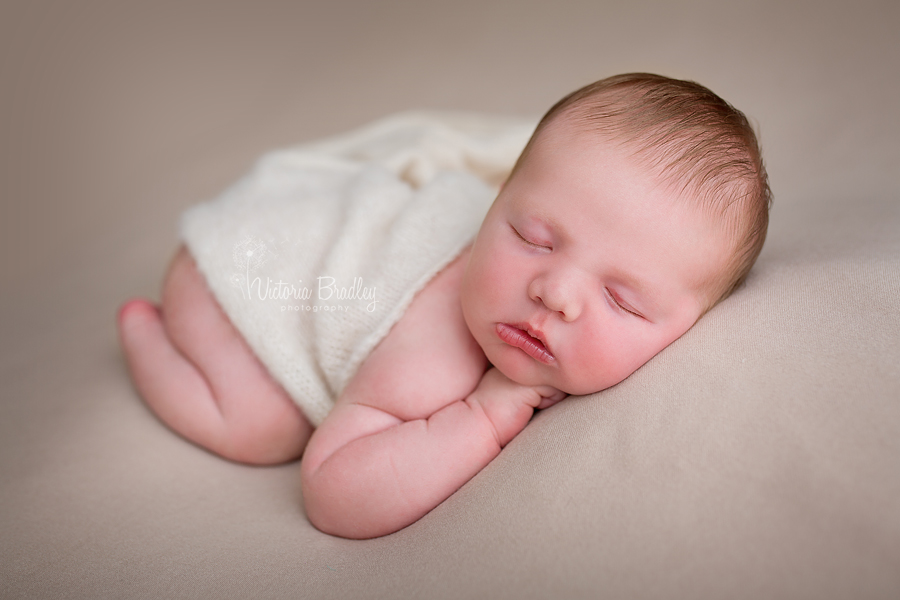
<point>549,396</point>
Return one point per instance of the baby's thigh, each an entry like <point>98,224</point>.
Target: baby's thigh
<point>193,319</point>
<point>202,332</point>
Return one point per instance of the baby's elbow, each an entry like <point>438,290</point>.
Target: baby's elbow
<point>335,507</point>
<point>320,512</point>
<point>327,508</point>
<point>325,517</point>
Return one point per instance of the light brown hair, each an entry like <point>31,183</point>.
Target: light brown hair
<point>694,141</point>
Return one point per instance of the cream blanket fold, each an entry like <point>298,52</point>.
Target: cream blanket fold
<point>319,250</point>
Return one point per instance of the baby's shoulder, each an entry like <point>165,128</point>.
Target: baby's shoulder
<point>428,359</point>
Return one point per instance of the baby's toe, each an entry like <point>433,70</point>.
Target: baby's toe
<point>136,313</point>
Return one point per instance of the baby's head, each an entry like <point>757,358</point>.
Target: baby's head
<point>690,141</point>
<point>638,204</point>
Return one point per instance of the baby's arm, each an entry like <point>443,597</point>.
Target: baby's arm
<point>419,419</point>
<point>374,473</point>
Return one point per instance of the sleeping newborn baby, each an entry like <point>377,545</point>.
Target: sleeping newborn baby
<point>638,203</point>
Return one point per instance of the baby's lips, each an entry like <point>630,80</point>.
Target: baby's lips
<point>518,336</point>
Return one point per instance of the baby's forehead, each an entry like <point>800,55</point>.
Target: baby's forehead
<point>661,165</point>
<point>575,134</point>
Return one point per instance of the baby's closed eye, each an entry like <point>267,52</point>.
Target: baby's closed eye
<point>620,304</point>
<point>530,240</point>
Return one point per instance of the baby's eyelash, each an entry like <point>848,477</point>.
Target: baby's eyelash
<point>620,307</point>
<point>527,241</point>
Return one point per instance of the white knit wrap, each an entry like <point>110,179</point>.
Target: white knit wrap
<point>375,213</point>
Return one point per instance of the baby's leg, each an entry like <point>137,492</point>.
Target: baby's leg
<point>197,373</point>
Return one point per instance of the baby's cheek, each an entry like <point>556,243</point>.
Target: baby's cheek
<point>597,364</point>
<point>504,280</point>
<point>481,287</point>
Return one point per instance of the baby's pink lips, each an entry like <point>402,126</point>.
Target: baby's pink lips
<point>527,339</point>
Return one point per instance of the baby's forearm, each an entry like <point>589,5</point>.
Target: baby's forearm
<point>380,483</point>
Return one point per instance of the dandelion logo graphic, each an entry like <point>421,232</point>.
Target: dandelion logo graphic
<point>249,255</point>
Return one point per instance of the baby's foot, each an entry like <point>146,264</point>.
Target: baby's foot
<point>135,314</point>
<point>252,420</point>
<point>158,369</point>
<point>139,321</point>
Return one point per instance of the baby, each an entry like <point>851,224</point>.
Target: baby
<point>638,204</point>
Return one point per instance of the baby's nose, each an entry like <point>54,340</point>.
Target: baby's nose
<point>559,293</point>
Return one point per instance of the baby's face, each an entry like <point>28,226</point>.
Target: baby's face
<point>585,268</point>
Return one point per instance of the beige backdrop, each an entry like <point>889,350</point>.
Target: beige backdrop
<point>115,116</point>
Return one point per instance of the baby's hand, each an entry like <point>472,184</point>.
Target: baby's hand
<point>509,405</point>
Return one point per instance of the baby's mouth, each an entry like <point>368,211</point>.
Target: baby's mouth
<point>520,338</point>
